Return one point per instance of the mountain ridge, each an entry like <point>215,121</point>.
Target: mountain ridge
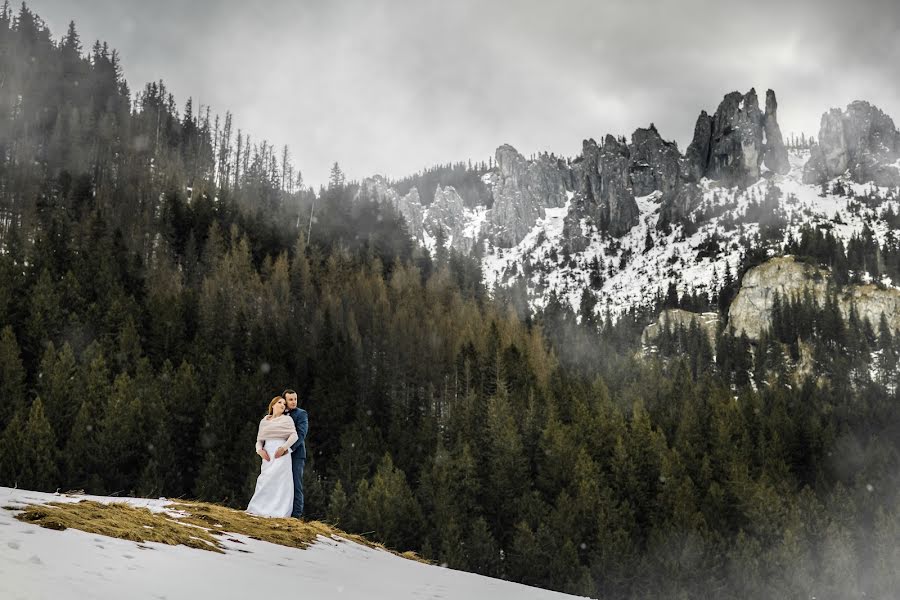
<point>619,207</point>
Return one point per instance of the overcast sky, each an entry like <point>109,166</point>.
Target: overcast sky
<point>393,86</point>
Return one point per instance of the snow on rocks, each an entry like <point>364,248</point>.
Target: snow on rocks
<point>646,260</point>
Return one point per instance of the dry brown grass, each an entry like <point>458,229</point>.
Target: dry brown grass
<point>119,520</point>
<point>197,524</point>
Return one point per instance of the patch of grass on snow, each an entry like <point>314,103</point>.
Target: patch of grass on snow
<point>194,524</point>
<point>120,520</point>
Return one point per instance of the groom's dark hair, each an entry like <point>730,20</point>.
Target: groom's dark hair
<point>290,391</point>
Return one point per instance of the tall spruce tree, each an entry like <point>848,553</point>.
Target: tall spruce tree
<point>40,471</point>
<point>12,377</point>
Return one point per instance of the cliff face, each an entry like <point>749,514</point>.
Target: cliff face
<point>377,188</point>
<point>675,317</point>
<point>446,217</point>
<point>861,140</point>
<point>604,187</point>
<point>732,144</point>
<point>775,155</point>
<point>522,191</point>
<point>751,310</point>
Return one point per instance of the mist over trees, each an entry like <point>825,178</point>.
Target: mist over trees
<point>163,275</point>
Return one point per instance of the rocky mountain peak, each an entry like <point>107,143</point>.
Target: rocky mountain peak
<point>736,143</point>
<point>730,146</point>
<point>861,140</point>
<point>445,219</point>
<point>522,191</point>
<point>655,162</point>
<point>379,189</point>
<point>510,164</point>
<point>696,158</point>
<point>616,210</point>
<point>775,156</point>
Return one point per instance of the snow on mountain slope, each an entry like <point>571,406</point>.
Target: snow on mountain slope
<point>635,271</point>
<point>43,563</point>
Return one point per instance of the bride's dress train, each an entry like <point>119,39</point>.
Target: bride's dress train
<point>274,495</point>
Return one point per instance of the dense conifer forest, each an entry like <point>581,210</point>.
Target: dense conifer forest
<point>163,275</point>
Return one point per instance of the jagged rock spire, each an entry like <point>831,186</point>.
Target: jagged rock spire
<point>731,145</point>
<point>775,156</point>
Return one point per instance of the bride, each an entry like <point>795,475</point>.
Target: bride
<point>274,495</point>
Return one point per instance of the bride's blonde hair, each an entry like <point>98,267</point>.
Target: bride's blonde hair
<point>272,403</point>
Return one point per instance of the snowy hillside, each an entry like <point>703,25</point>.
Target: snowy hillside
<point>43,563</point>
<point>641,264</point>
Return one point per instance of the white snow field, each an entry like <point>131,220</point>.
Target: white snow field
<point>37,563</point>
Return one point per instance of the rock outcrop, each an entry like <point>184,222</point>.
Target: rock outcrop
<point>522,190</point>
<point>736,145</point>
<point>677,207</point>
<point>775,156</point>
<point>377,188</point>
<point>696,158</point>
<point>730,146</point>
<point>871,302</point>
<point>675,317</point>
<point>414,213</point>
<point>861,140</point>
<point>586,172</point>
<point>446,218</point>
<point>618,211</point>
<point>655,163</point>
<point>576,236</point>
<point>602,178</point>
<point>751,310</point>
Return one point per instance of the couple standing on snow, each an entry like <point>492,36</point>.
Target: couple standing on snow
<point>282,432</point>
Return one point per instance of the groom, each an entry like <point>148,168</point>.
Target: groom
<point>298,450</point>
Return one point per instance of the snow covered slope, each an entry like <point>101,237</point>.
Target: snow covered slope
<point>42,563</point>
<point>643,263</point>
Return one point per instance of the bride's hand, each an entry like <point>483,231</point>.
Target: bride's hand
<point>280,452</point>
<point>264,454</point>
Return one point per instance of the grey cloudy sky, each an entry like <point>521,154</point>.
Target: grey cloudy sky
<point>393,86</point>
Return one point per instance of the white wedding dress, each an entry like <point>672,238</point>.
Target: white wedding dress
<point>274,495</point>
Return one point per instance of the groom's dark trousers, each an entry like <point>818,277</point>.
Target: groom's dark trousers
<point>297,466</point>
<point>298,458</point>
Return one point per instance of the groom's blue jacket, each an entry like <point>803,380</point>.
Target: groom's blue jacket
<point>301,423</point>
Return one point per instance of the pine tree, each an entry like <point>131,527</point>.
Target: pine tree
<point>888,359</point>
<point>338,505</point>
<point>184,421</point>
<point>57,379</point>
<point>386,505</point>
<point>586,307</point>
<point>83,456</point>
<point>336,177</point>
<point>40,470</point>
<point>13,452</point>
<point>45,315</point>
<point>482,553</point>
<point>506,464</point>
<point>523,561</point>
<point>72,42</point>
<point>12,377</point>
